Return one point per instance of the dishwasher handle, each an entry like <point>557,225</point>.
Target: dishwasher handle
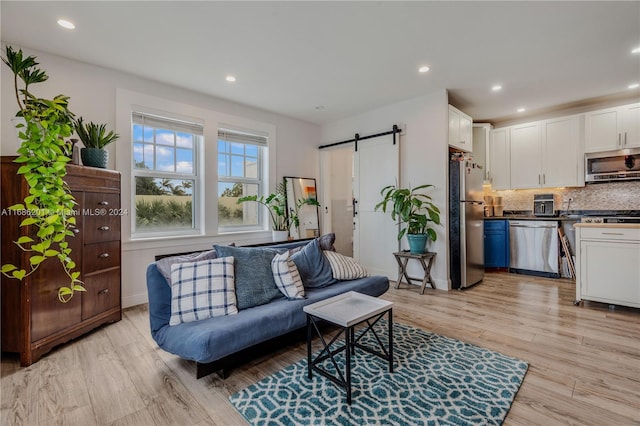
<point>533,226</point>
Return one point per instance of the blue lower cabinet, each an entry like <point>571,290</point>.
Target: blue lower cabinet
<point>496,243</point>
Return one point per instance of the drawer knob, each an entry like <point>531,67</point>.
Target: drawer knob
<point>103,203</point>
<point>103,291</point>
<point>76,231</point>
<point>104,228</point>
<point>104,255</point>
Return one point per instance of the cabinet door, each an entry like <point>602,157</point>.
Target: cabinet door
<point>500,175</point>
<point>561,152</point>
<point>496,244</point>
<point>602,130</point>
<point>631,126</point>
<point>454,127</point>
<point>609,272</point>
<point>466,133</point>
<point>526,156</point>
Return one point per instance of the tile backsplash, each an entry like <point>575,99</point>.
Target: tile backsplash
<point>600,196</point>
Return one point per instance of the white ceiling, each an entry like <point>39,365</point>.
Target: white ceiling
<point>351,57</point>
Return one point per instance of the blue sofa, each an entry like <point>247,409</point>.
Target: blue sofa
<point>212,342</point>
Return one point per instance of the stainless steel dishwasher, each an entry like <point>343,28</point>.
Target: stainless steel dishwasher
<point>534,247</point>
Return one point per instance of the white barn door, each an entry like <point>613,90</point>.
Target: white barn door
<point>375,238</point>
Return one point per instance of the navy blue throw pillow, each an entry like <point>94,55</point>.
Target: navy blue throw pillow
<point>253,276</point>
<point>315,269</point>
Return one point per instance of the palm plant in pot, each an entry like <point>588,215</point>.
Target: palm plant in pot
<point>276,205</point>
<point>95,138</point>
<point>415,211</point>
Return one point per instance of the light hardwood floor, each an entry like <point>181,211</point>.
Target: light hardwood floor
<point>584,362</point>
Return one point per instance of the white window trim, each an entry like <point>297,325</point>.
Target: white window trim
<point>212,121</point>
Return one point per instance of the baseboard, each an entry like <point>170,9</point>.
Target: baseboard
<point>136,299</point>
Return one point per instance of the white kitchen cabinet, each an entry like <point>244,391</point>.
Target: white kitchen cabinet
<point>460,130</point>
<point>482,147</point>
<point>562,154</point>
<point>613,128</point>
<point>526,156</point>
<point>547,153</point>
<point>608,263</point>
<point>500,167</point>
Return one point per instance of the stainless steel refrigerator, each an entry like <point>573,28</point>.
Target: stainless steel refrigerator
<point>466,223</point>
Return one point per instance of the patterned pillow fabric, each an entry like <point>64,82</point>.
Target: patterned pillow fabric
<point>344,267</point>
<point>164,265</point>
<point>254,279</point>
<point>287,277</point>
<point>201,290</point>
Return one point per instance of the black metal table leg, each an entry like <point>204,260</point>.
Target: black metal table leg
<point>390,341</point>
<point>309,339</point>
<point>349,348</point>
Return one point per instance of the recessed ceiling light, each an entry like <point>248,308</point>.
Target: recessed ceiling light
<point>521,109</point>
<point>66,24</point>
<point>636,50</point>
<point>423,69</point>
<point>230,79</point>
<point>496,87</point>
<point>634,86</point>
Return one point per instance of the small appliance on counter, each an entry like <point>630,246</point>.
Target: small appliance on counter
<point>545,205</point>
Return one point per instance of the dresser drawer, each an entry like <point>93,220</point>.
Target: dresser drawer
<point>611,232</point>
<point>103,293</point>
<point>101,214</point>
<point>96,257</point>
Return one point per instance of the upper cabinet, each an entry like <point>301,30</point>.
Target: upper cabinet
<point>613,128</point>
<point>541,154</point>
<point>562,155</point>
<point>460,130</point>
<point>482,147</point>
<point>526,156</point>
<point>500,163</point>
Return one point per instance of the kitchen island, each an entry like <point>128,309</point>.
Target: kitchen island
<point>608,263</point>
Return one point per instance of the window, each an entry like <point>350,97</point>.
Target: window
<point>240,173</point>
<point>165,174</point>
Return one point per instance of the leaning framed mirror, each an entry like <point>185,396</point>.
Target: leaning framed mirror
<point>302,207</point>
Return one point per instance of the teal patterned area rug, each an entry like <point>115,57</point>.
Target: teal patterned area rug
<point>436,381</point>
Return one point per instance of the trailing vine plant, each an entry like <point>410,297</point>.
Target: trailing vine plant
<point>43,156</point>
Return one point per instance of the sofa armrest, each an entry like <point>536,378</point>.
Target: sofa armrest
<point>159,293</point>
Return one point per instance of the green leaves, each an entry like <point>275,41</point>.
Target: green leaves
<point>42,160</point>
<point>410,207</point>
<point>94,135</point>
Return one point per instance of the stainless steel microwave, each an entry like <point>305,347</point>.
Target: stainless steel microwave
<point>612,165</point>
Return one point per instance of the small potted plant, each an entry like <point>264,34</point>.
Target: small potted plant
<point>95,138</point>
<point>415,210</point>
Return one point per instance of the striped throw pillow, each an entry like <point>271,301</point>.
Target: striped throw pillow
<point>344,267</point>
<point>201,290</point>
<point>287,277</point>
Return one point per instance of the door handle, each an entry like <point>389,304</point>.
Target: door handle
<point>619,139</point>
<point>103,203</point>
<point>625,139</point>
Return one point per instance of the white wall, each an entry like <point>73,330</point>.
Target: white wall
<point>92,90</point>
<point>423,156</point>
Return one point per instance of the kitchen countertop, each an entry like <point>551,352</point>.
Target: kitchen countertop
<point>532,217</point>
<point>609,225</point>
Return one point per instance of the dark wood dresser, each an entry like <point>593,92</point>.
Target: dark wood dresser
<point>33,319</point>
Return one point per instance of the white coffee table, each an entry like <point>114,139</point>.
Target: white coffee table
<point>347,311</point>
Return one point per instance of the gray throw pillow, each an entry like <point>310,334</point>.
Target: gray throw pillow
<point>253,275</point>
<point>315,269</point>
<point>326,241</point>
<point>164,265</point>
